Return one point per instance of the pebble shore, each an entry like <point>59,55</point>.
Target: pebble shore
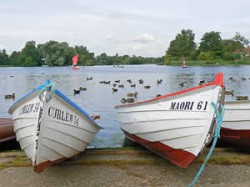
<point>125,168</point>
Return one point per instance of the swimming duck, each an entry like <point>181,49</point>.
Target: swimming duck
<point>201,82</point>
<point>121,86</point>
<point>128,100</point>
<point>159,81</point>
<point>82,89</point>
<point>230,92</point>
<point>105,82</point>
<point>129,81</point>
<point>89,78</point>
<point>76,91</point>
<point>94,117</point>
<point>141,81</point>
<point>132,94</point>
<point>10,96</point>
<point>147,87</point>
<point>231,79</point>
<point>241,97</point>
<point>133,85</point>
<point>114,89</point>
<point>181,84</point>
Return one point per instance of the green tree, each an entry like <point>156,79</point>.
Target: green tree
<point>15,58</point>
<point>85,57</point>
<point>54,53</point>
<point>4,58</point>
<point>102,59</point>
<point>238,37</point>
<point>207,56</point>
<point>211,42</point>
<point>183,45</point>
<point>231,48</point>
<point>30,55</point>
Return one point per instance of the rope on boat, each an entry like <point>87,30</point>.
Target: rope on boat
<point>47,87</point>
<point>219,119</point>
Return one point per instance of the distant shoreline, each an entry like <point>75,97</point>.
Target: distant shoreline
<point>172,63</point>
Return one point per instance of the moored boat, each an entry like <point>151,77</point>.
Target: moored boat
<point>74,62</point>
<point>176,126</point>
<point>6,130</point>
<point>50,127</point>
<point>184,65</point>
<point>235,128</point>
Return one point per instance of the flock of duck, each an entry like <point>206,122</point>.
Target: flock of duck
<point>231,92</point>
<point>132,96</point>
<point>117,84</point>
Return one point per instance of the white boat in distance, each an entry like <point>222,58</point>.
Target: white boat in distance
<point>235,128</point>
<point>49,127</point>
<point>175,126</point>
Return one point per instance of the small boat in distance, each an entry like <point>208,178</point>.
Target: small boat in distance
<point>235,129</point>
<point>176,126</point>
<point>74,62</point>
<point>184,65</point>
<point>118,66</point>
<point>50,127</point>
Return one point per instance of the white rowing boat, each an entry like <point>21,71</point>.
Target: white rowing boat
<point>235,128</point>
<point>175,126</point>
<point>49,127</point>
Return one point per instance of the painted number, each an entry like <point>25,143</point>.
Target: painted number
<point>202,105</point>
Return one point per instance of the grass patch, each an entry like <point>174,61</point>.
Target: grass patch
<point>16,162</point>
<point>12,153</point>
<point>228,160</point>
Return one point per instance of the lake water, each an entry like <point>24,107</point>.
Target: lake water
<point>99,99</point>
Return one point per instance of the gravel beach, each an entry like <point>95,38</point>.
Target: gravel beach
<point>125,168</point>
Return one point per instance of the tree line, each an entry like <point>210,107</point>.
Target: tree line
<point>211,48</point>
<point>52,53</point>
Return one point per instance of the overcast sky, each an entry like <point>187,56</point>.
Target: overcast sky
<point>133,27</point>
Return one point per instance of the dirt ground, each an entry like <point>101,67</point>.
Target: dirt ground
<point>125,168</point>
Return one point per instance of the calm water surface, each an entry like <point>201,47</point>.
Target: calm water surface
<point>99,99</point>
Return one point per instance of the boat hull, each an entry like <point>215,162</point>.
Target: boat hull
<point>6,130</point>
<point>75,68</point>
<point>235,128</point>
<point>50,131</point>
<point>179,157</point>
<point>176,126</point>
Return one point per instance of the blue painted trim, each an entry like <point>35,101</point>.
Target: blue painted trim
<point>60,94</point>
<point>32,91</point>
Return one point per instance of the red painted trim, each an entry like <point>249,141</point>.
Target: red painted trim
<point>217,81</point>
<point>236,137</point>
<point>179,157</point>
<point>40,167</point>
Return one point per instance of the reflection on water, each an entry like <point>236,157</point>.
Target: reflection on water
<point>99,99</point>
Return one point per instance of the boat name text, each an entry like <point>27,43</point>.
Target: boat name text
<point>30,108</point>
<point>188,105</point>
<point>63,116</point>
